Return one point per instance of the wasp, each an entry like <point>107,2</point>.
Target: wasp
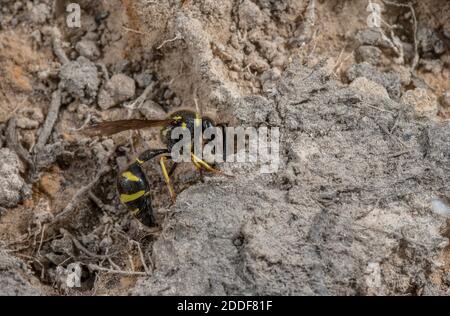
<point>132,184</point>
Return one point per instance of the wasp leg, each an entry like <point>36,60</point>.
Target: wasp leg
<point>149,154</point>
<point>172,169</point>
<point>201,164</point>
<point>199,168</point>
<point>205,166</point>
<point>162,162</point>
<point>197,165</point>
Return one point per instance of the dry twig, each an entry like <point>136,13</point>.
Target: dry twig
<point>82,193</point>
<point>14,144</point>
<point>80,246</point>
<point>57,46</point>
<point>100,204</point>
<point>42,239</point>
<point>50,121</point>
<point>102,269</point>
<point>141,255</point>
<point>136,104</point>
<point>133,31</point>
<point>413,13</point>
<point>177,37</point>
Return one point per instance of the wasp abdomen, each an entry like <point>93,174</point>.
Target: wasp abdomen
<point>134,191</point>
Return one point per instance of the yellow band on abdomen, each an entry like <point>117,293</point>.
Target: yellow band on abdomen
<point>125,198</point>
<point>130,176</point>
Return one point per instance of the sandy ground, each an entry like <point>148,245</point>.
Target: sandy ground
<point>359,204</point>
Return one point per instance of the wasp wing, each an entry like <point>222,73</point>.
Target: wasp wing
<point>114,127</point>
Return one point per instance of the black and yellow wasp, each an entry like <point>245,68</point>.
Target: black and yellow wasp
<point>132,184</point>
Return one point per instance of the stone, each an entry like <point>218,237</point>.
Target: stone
<point>118,89</point>
<point>26,123</point>
<point>431,65</point>
<point>250,15</point>
<point>423,101</point>
<point>40,13</point>
<point>88,49</point>
<point>12,186</point>
<point>152,110</point>
<point>80,79</point>
<point>390,80</point>
<point>370,54</point>
<point>143,80</point>
<point>429,42</point>
<point>367,86</point>
<point>256,63</point>
<point>15,278</point>
<point>372,37</point>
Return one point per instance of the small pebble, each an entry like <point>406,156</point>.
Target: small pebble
<point>176,101</point>
<point>88,49</point>
<point>152,110</point>
<point>118,89</point>
<point>370,54</point>
<point>168,94</point>
<point>143,80</point>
